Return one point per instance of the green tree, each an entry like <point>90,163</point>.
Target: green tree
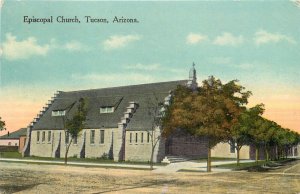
<point>75,125</point>
<point>287,140</point>
<point>210,111</point>
<point>2,125</point>
<point>253,126</point>
<point>280,141</point>
<point>240,133</point>
<point>270,128</point>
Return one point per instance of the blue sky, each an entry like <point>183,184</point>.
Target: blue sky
<point>255,42</point>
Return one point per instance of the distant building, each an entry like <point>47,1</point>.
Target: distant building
<point>225,150</point>
<point>16,138</point>
<point>295,151</point>
<point>118,124</point>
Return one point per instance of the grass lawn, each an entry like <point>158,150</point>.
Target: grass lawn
<point>214,159</point>
<point>72,159</point>
<point>10,155</point>
<point>82,165</point>
<point>241,166</point>
<point>253,165</point>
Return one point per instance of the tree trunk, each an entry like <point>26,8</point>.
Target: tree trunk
<point>267,153</point>
<point>209,159</point>
<point>151,158</point>
<point>256,154</point>
<point>238,155</point>
<point>67,150</point>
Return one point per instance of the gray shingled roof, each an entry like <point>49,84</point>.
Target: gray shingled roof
<point>15,134</point>
<point>119,97</point>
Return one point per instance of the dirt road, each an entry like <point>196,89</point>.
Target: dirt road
<point>33,178</point>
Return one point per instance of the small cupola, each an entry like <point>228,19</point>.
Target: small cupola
<point>192,82</point>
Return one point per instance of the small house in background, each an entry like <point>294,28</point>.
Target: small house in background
<point>14,139</point>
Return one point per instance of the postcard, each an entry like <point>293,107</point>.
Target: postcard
<point>150,96</point>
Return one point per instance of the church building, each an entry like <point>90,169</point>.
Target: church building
<point>119,125</point>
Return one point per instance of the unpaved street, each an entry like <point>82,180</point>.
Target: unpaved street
<point>34,178</point>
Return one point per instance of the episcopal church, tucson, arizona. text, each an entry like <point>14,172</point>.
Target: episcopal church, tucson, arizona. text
<point>117,125</point>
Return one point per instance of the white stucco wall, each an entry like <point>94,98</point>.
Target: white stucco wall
<point>74,150</point>
<point>141,151</point>
<point>47,148</point>
<point>44,148</point>
<point>9,142</point>
<point>96,150</point>
<point>223,150</point>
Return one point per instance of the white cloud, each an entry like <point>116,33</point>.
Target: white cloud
<point>71,46</point>
<point>119,41</point>
<point>1,3</point>
<point>296,2</point>
<point>140,66</point>
<point>264,37</point>
<point>14,50</point>
<point>228,39</point>
<point>193,38</point>
<point>74,46</point>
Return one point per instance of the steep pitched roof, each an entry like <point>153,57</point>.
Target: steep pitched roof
<point>15,134</point>
<point>118,97</point>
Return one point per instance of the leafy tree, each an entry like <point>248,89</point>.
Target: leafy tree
<point>286,140</point>
<point>175,114</point>
<point>280,141</point>
<point>258,131</point>
<point>254,123</point>
<point>2,125</point>
<point>264,134</point>
<point>75,125</point>
<point>270,128</point>
<point>211,111</point>
<point>239,133</point>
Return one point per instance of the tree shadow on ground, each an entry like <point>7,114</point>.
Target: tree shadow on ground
<point>8,188</point>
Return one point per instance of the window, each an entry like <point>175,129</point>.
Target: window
<point>38,136</point>
<point>136,137</point>
<point>107,109</point>
<point>232,147</point>
<point>92,137</point>
<point>142,137</point>
<point>43,136</point>
<point>24,141</point>
<point>148,137</point>
<point>9,143</point>
<point>101,136</point>
<point>130,137</point>
<point>58,113</point>
<point>67,137</point>
<point>49,136</point>
<point>16,144</point>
